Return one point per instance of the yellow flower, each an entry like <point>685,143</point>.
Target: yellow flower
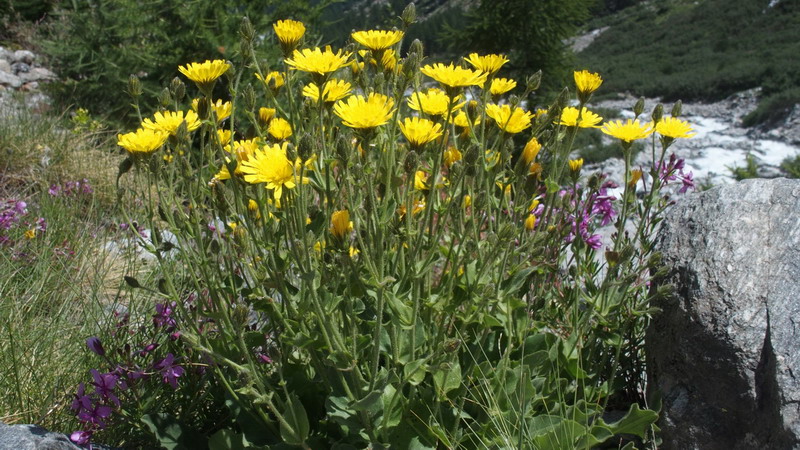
<point>627,132</point>
<point>586,82</point>
<point>672,127</point>
<point>389,60</point>
<point>531,150</point>
<point>530,222</point>
<point>636,175</point>
<point>418,131</point>
<point>489,64</point>
<point>509,121</point>
<point>265,115</point>
<point>222,110</point>
<point>454,76</point>
<point>420,180</point>
<point>169,121</point>
<point>451,156</point>
<point>417,206</point>
<point>460,120</point>
<point>334,90</point>
<point>289,33</point>
<point>359,112</point>
<point>279,128</point>
<point>434,102</point>
<point>274,80</point>
<point>224,137</point>
<point>569,117</point>
<point>30,234</point>
<point>205,73</point>
<point>500,86</point>
<point>467,201</point>
<point>575,164</point>
<point>377,39</point>
<point>142,140</point>
<point>341,224</point>
<point>318,61</point>
<point>536,169</point>
<point>270,165</point>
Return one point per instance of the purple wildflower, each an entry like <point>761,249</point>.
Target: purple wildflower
<point>170,372</point>
<point>95,345</point>
<point>688,182</point>
<point>104,384</point>
<point>163,316</point>
<point>81,437</point>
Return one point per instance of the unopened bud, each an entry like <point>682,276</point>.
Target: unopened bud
<point>134,86</point>
<point>410,65</point>
<point>410,164</point>
<point>380,81</point>
<point>638,107</point>
<point>416,47</point>
<point>182,133</point>
<point>676,108</point>
<point>343,149</point>
<point>202,108</point>
<point>658,112</point>
<point>246,30</point>
<point>165,98</point>
<point>534,81</point>
<point>177,88</point>
<point>249,97</point>
<point>409,15</point>
<point>305,146</point>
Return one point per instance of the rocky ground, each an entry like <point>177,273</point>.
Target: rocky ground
<point>721,141</point>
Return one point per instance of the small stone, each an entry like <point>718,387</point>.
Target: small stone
<point>5,66</point>
<point>24,56</point>
<point>9,79</point>
<point>20,67</point>
<point>37,74</point>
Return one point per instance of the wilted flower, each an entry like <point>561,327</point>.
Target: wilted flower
<point>511,122</point>
<point>340,223</point>
<point>586,82</point>
<point>364,113</point>
<point>377,39</point>
<point>451,156</point>
<point>418,131</point>
<point>530,222</point>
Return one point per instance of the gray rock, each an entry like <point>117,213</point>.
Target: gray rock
<point>10,79</point>
<point>723,354</point>
<point>5,66</point>
<point>36,74</point>
<point>24,56</point>
<point>32,437</point>
<point>8,55</point>
<point>20,67</point>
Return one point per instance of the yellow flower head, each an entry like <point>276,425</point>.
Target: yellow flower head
<point>169,121</point>
<point>318,61</point>
<point>289,32</point>
<point>500,86</point>
<point>511,122</point>
<point>672,127</point>
<point>586,82</point>
<point>142,140</point>
<point>279,128</point>
<point>627,131</point>
<point>222,110</point>
<point>333,91</point>
<point>205,73</point>
<point>418,131</point>
<point>451,156</point>
<point>575,164</point>
<point>389,60</point>
<point>270,165</point>
<point>30,234</point>
<point>530,222</point>
<point>224,137</point>
<point>434,102</point>
<point>460,120</point>
<point>341,224</point>
<point>636,175</point>
<point>362,113</point>
<point>454,76</point>
<point>588,119</point>
<point>489,64</point>
<point>377,39</point>
<point>243,150</point>
<point>531,150</point>
<point>265,114</point>
<point>420,180</point>
<point>273,80</point>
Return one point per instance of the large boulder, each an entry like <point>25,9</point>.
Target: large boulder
<point>32,437</point>
<point>724,355</point>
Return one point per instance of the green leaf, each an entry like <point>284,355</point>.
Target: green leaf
<point>636,421</point>
<point>295,430</point>
<point>415,371</point>
<point>170,433</point>
<point>227,439</point>
<point>516,281</point>
<point>446,378</point>
<point>368,401</point>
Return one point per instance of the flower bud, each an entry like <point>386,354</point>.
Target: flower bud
<point>246,30</point>
<point>409,15</point>
<point>410,163</point>
<point>202,108</point>
<point>416,47</point>
<point>411,65</point>
<point>534,81</point>
<point>677,108</point>
<point>177,88</point>
<point>165,98</point>
<point>658,112</point>
<point>305,146</point>
<point>638,107</point>
<point>95,345</point>
<point>249,97</point>
<point>379,81</point>
<point>343,149</point>
<point>134,86</point>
